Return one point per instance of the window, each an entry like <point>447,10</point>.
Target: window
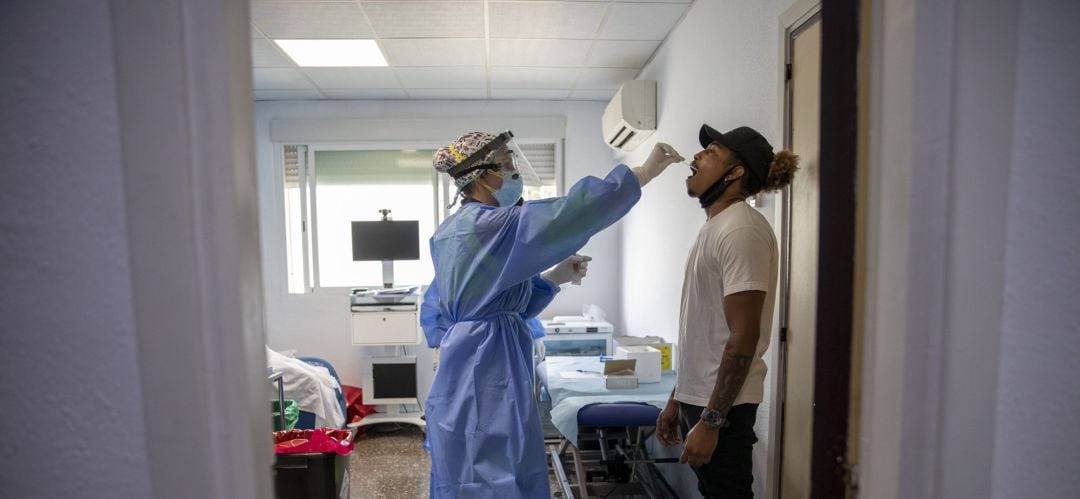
<point>328,188</point>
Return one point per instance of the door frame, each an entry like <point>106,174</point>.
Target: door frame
<point>834,327</point>
<point>830,471</point>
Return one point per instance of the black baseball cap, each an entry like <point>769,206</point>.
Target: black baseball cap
<point>755,151</point>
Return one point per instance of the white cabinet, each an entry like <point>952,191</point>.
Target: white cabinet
<point>385,325</point>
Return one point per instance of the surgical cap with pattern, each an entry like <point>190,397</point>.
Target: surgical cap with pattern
<point>445,158</point>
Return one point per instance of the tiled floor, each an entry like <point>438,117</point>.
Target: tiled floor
<point>392,465</point>
<point>389,465</point>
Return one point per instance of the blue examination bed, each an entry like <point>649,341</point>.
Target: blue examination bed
<point>601,426</point>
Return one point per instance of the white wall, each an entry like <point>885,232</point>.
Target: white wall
<point>317,324</point>
<point>719,66</point>
<point>68,361</point>
<point>1035,443</point>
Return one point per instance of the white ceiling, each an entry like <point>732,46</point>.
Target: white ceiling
<point>454,49</point>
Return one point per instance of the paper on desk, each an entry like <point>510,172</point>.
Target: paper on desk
<point>578,374</point>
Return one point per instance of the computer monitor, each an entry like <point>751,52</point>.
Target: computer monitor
<point>392,380</point>
<point>386,240</point>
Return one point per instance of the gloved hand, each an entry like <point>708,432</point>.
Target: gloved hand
<point>660,158</point>
<point>570,270</point>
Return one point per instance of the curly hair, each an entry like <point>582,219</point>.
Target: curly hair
<point>781,171</point>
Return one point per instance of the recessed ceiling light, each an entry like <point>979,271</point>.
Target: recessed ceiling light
<point>333,53</point>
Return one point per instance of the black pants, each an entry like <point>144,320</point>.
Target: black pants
<point>730,472</point>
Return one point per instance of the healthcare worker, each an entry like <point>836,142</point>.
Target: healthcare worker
<point>482,420</point>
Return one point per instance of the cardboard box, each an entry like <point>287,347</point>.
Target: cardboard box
<point>620,373</point>
<point>667,350</point>
<point>647,358</point>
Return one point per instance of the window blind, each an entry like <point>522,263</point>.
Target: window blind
<point>542,158</point>
<point>292,167</point>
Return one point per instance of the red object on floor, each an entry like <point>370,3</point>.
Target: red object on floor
<point>355,410</point>
<point>306,441</point>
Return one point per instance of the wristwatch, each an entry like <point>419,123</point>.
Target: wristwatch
<point>713,419</point>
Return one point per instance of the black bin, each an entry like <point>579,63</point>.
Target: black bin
<point>309,476</point>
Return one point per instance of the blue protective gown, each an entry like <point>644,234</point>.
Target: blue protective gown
<point>482,420</point>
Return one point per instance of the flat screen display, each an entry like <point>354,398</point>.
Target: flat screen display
<point>390,240</point>
<point>393,381</point>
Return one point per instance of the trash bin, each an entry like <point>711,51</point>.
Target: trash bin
<point>312,464</point>
<point>292,414</point>
<point>310,476</point>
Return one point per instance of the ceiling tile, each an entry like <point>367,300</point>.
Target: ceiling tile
<point>353,77</point>
<point>287,95</point>
<point>280,79</point>
<point>620,54</point>
<point>533,52</point>
<point>444,78</point>
<point>640,21</point>
<point>434,52</point>
<point>264,54</point>
<point>600,95</point>
<point>549,78</point>
<point>439,94</point>
<point>522,93</point>
<point>426,19</point>
<point>545,19</point>
<point>310,20</point>
<point>363,94</point>
<point>603,78</point>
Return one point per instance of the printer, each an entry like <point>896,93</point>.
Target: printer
<point>385,316</point>
<point>575,325</point>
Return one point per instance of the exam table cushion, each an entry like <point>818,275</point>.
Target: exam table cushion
<point>618,414</point>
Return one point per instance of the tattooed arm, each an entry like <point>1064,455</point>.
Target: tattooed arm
<point>743,313</point>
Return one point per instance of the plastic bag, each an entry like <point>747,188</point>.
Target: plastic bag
<point>292,414</point>
<point>354,404</point>
<point>321,440</point>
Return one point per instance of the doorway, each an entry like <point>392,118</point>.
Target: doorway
<point>802,104</point>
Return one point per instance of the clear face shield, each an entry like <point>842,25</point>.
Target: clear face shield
<point>502,155</point>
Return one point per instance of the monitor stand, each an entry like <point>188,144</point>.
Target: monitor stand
<point>393,414</point>
<point>388,273</point>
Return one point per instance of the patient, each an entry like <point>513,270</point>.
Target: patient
<point>721,377</point>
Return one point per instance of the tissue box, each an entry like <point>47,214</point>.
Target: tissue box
<point>647,359</point>
<point>620,374</point>
<point>667,350</point>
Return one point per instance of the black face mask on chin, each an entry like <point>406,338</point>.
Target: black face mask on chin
<point>716,190</point>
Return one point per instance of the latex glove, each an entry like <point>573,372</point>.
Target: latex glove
<point>570,270</point>
<point>660,158</point>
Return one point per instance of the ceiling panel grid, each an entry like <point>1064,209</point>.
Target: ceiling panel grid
<point>463,49</point>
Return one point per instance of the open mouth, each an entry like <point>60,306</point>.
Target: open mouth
<point>693,169</point>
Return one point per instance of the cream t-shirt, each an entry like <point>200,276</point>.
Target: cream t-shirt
<point>735,251</point>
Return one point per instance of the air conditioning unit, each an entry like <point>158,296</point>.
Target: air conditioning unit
<point>630,117</point>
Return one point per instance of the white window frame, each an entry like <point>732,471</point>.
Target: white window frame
<point>442,191</point>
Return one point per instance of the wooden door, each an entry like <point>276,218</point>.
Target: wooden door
<point>801,231</point>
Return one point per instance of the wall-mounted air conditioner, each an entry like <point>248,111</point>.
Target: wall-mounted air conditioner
<point>630,117</point>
